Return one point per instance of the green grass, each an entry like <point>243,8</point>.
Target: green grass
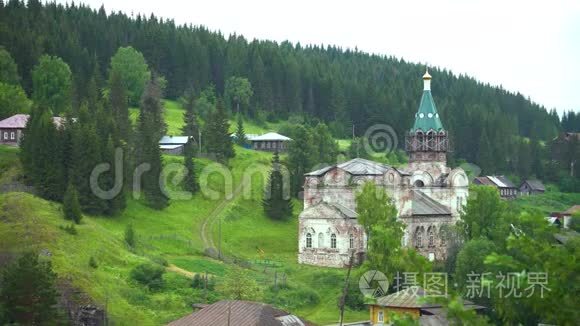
<point>550,201</point>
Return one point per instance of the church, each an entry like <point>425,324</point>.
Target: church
<point>426,192</point>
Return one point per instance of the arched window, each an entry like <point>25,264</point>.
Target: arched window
<point>419,237</point>
<point>431,139</point>
<point>308,240</point>
<point>419,184</point>
<point>421,140</point>
<point>351,241</point>
<point>333,241</point>
<point>320,240</point>
<point>431,235</point>
<point>442,236</point>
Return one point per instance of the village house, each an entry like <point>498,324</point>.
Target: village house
<point>532,187</point>
<point>270,142</point>
<point>562,219</point>
<point>239,313</point>
<point>411,301</point>
<point>428,195</point>
<point>12,128</point>
<point>173,145</point>
<point>507,190</point>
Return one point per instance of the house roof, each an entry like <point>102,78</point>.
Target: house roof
<point>499,181</point>
<point>248,136</point>
<point>357,166</point>
<point>424,205</point>
<point>18,121</point>
<point>239,313</point>
<point>535,185</point>
<point>270,136</point>
<point>170,147</point>
<point>572,210</point>
<point>174,140</point>
<point>412,297</point>
<point>332,211</point>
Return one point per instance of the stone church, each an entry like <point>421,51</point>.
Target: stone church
<point>427,194</point>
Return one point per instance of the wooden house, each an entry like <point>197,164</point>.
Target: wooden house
<point>270,142</point>
<point>12,128</point>
<point>507,190</point>
<point>532,187</point>
<point>173,145</point>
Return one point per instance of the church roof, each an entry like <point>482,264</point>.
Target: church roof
<point>357,166</point>
<point>427,117</point>
<point>425,205</point>
<point>328,210</point>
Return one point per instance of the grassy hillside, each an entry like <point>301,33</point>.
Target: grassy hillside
<point>267,247</point>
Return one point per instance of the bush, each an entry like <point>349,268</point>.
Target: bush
<point>93,262</point>
<point>160,261</point>
<point>149,275</point>
<point>70,229</point>
<point>130,236</point>
<point>292,298</point>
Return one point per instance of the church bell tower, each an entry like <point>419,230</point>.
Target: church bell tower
<point>427,140</point>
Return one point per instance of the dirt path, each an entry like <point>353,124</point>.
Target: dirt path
<point>205,231</point>
<point>178,270</point>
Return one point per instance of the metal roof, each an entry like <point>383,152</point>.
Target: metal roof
<point>239,313</point>
<point>407,298</point>
<point>174,140</point>
<point>535,185</point>
<point>314,212</point>
<point>424,205</point>
<point>499,181</point>
<point>427,117</point>
<point>357,166</point>
<point>169,147</point>
<point>271,136</point>
<point>18,121</point>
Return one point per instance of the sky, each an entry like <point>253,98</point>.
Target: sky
<point>531,47</point>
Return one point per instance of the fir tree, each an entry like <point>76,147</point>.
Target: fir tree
<point>218,139</point>
<point>28,292</point>
<point>71,206</point>
<point>241,138</point>
<point>277,201</point>
<point>119,107</point>
<point>300,153</point>
<point>118,203</point>
<point>148,145</point>
<point>485,155</point>
<point>190,123</point>
<point>190,181</point>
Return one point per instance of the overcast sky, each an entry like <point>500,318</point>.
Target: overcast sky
<point>528,46</point>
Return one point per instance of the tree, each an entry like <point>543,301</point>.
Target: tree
<point>470,260</point>
<point>12,100</point>
<point>357,149</point>
<point>378,216</point>
<point>241,138</point>
<point>190,122</point>
<point>119,106</point>
<point>149,275</point>
<point>218,140</point>
<point>8,69</point>
<point>486,215</point>
<point>238,284</point>
<point>485,157</point>
<point>300,153</point>
<point>131,67</point>
<point>71,206</point>
<point>190,180</point>
<point>28,292</point>
<point>52,84</point>
<point>149,131</point>
<point>130,236</point>
<point>238,92</point>
<point>277,201</point>
<point>326,148</point>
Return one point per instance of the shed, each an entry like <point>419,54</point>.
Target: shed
<point>507,190</point>
<point>12,128</point>
<point>173,144</point>
<point>532,187</point>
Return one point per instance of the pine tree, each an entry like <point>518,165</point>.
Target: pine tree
<point>190,181</point>
<point>277,201</point>
<point>119,107</point>
<point>118,203</point>
<point>300,153</point>
<point>326,147</point>
<point>485,157</point>
<point>148,151</point>
<point>218,140</point>
<point>28,293</point>
<point>71,206</point>
<point>190,123</point>
<point>241,138</point>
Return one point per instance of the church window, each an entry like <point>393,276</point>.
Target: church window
<point>320,240</point>
<point>351,242</point>
<point>419,237</point>
<point>333,241</point>
<point>431,234</point>
<point>419,184</point>
<point>308,240</point>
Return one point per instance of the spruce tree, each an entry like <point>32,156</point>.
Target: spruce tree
<point>28,293</point>
<point>241,138</point>
<point>119,107</point>
<point>190,123</point>
<point>190,181</point>
<point>485,157</point>
<point>300,154</point>
<point>148,145</point>
<point>118,203</point>
<point>326,147</point>
<point>71,206</point>
<point>277,201</point>
<point>218,141</point>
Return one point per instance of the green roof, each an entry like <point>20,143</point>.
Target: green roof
<point>427,117</point>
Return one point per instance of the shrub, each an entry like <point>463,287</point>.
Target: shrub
<point>130,236</point>
<point>149,275</point>
<point>70,229</point>
<point>93,262</point>
<point>160,260</point>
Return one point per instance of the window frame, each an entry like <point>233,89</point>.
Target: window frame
<point>308,240</point>
<point>333,241</point>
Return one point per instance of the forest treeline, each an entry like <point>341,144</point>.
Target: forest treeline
<point>340,87</point>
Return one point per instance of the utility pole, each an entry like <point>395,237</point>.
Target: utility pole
<point>219,238</point>
<point>345,289</point>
